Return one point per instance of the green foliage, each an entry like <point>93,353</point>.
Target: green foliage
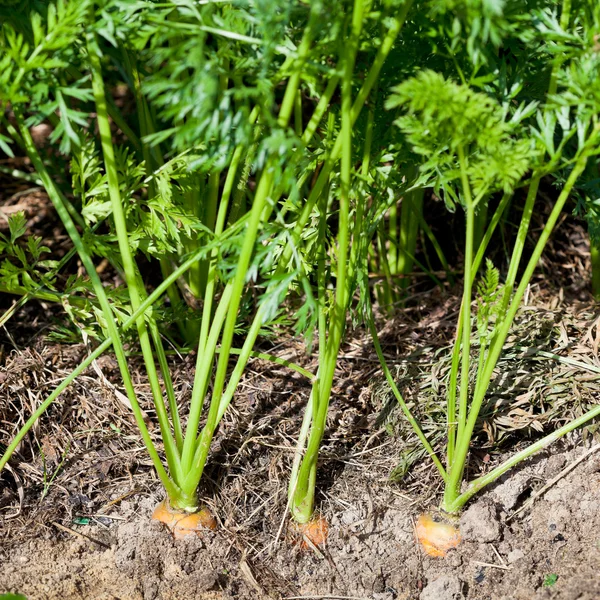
<point>443,119</point>
<point>250,144</point>
<point>23,267</point>
<point>33,60</point>
<point>489,291</point>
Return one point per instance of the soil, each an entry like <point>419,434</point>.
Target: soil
<point>550,550</point>
<point>76,523</point>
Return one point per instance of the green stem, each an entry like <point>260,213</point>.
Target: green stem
<point>105,345</point>
<point>388,375</point>
<point>195,452</point>
<point>202,374</point>
<point>456,467</point>
<point>384,49</point>
<point>219,227</point>
<point>153,160</point>
<point>463,443</point>
<point>411,212</point>
<point>129,266</point>
<point>237,288</point>
<point>455,363</point>
<point>466,300</point>
<point>63,213</point>
<point>320,109</point>
<point>322,330</point>
<point>303,501</point>
<point>477,484</point>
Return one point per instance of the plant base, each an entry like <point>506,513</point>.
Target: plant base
<point>312,533</point>
<point>183,524</point>
<point>436,534</point>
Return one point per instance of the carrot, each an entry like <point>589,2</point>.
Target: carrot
<point>312,533</point>
<point>181,523</point>
<point>436,535</point>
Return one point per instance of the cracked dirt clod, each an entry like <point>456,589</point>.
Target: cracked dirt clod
<point>509,491</point>
<point>445,587</point>
<point>479,523</point>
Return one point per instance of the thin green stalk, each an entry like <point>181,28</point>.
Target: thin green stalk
<point>317,190</point>
<point>411,211</point>
<point>298,115</point>
<point>238,371</point>
<point>382,53</point>
<point>320,109</point>
<point>191,448</point>
<point>463,442</point>
<point>455,362</point>
<point>231,306</point>
<point>274,359</point>
<point>517,253</point>
<point>129,266</point>
<point>41,294</point>
<point>496,217</point>
<point>529,203</point>
<point>466,301</point>
<point>477,484</point>
<point>153,159</point>
<point>322,277</point>
<point>114,113</point>
<point>204,363</point>
<point>103,347</point>
<point>203,441</point>
<point>218,230</point>
<point>451,394</point>
<point>515,259</point>
<point>312,404</point>
<point>388,375</point>
<point>17,137</point>
<point>237,287</point>
<point>303,502</point>
<point>61,209</point>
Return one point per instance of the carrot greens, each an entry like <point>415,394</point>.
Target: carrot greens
<point>239,165</point>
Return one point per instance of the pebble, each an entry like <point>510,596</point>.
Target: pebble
<point>515,556</point>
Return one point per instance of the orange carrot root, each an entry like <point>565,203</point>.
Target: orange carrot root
<point>436,535</point>
<point>313,533</point>
<point>183,524</point>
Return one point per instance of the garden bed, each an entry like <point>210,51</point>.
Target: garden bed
<point>77,500</point>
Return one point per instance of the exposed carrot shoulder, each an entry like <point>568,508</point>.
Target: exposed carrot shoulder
<point>183,524</point>
<point>313,533</point>
<point>436,534</point>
